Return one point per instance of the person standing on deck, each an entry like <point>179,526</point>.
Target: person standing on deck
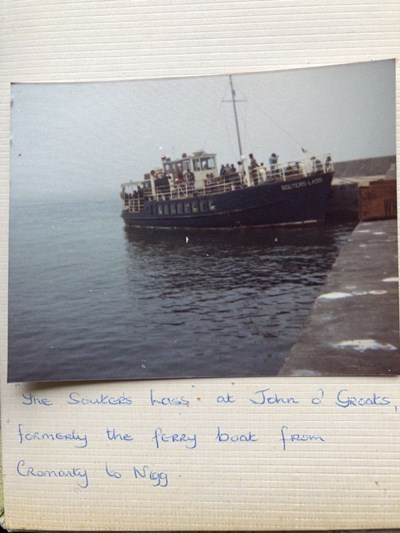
<point>253,161</point>
<point>262,172</point>
<point>253,168</point>
<point>241,175</point>
<point>190,178</point>
<point>328,164</point>
<point>273,164</point>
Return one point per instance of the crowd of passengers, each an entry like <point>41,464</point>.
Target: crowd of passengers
<point>230,177</point>
<point>259,172</point>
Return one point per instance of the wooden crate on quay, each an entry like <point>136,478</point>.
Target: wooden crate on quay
<point>378,200</point>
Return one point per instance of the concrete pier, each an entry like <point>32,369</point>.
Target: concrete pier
<point>353,328</point>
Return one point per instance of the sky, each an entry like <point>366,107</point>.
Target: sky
<point>71,141</point>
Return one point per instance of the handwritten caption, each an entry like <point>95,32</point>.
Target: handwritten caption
<point>160,438</point>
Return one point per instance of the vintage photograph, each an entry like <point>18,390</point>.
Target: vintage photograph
<point>227,226</point>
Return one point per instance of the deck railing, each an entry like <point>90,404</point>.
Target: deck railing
<point>222,184</point>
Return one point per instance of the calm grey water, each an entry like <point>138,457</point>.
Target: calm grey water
<point>90,300</point>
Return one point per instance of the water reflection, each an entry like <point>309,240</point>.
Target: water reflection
<point>257,259</point>
<point>225,303</point>
<point>237,241</point>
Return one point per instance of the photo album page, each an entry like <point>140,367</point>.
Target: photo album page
<point>199,266</point>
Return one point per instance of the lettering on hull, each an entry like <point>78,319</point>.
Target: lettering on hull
<point>301,184</point>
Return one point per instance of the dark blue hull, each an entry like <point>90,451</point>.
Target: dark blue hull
<point>299,201</point>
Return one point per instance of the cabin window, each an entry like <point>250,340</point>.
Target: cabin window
<point>207,163</point>
<point>186,165</point>
<point>195,206</point>
<point>166,209</point>
<point>173,209</point>
<point>203,206</point>
<point>187,208</point>
<point>160,209</point>
<point>211,205</point>
<point>196,165</point>
<point>179,208</point>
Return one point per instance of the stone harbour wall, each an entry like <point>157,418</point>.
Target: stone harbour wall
<point>373,166</point>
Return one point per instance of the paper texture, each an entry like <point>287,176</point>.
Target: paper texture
<point>219,455</point>
<point>237,454</point>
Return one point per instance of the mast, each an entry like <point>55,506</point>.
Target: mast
<point>236,117</point>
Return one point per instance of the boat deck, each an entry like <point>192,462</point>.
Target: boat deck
<point>135,201</point>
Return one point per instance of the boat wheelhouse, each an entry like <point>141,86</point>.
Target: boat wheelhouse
<point>200,163</point>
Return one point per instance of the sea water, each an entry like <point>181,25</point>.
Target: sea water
<point>90,300</point>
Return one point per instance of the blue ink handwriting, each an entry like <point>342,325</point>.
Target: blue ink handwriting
<point>39,436</point>
<point>264,398</point>
<point>31,399</point>
<point>161,437</point>
<point>112,473</point>
<point>160,478</point>
<point>343,399</point>
<point>74,472</point>
<point>167,400</point>
<point>226,398</point>
<point>113,435</point>
<point>243,437</point>
<point>296,437</point>
<point>318,399</point>
<point>76,399</point>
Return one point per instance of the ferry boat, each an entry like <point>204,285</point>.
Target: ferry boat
<point>191,192</point>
